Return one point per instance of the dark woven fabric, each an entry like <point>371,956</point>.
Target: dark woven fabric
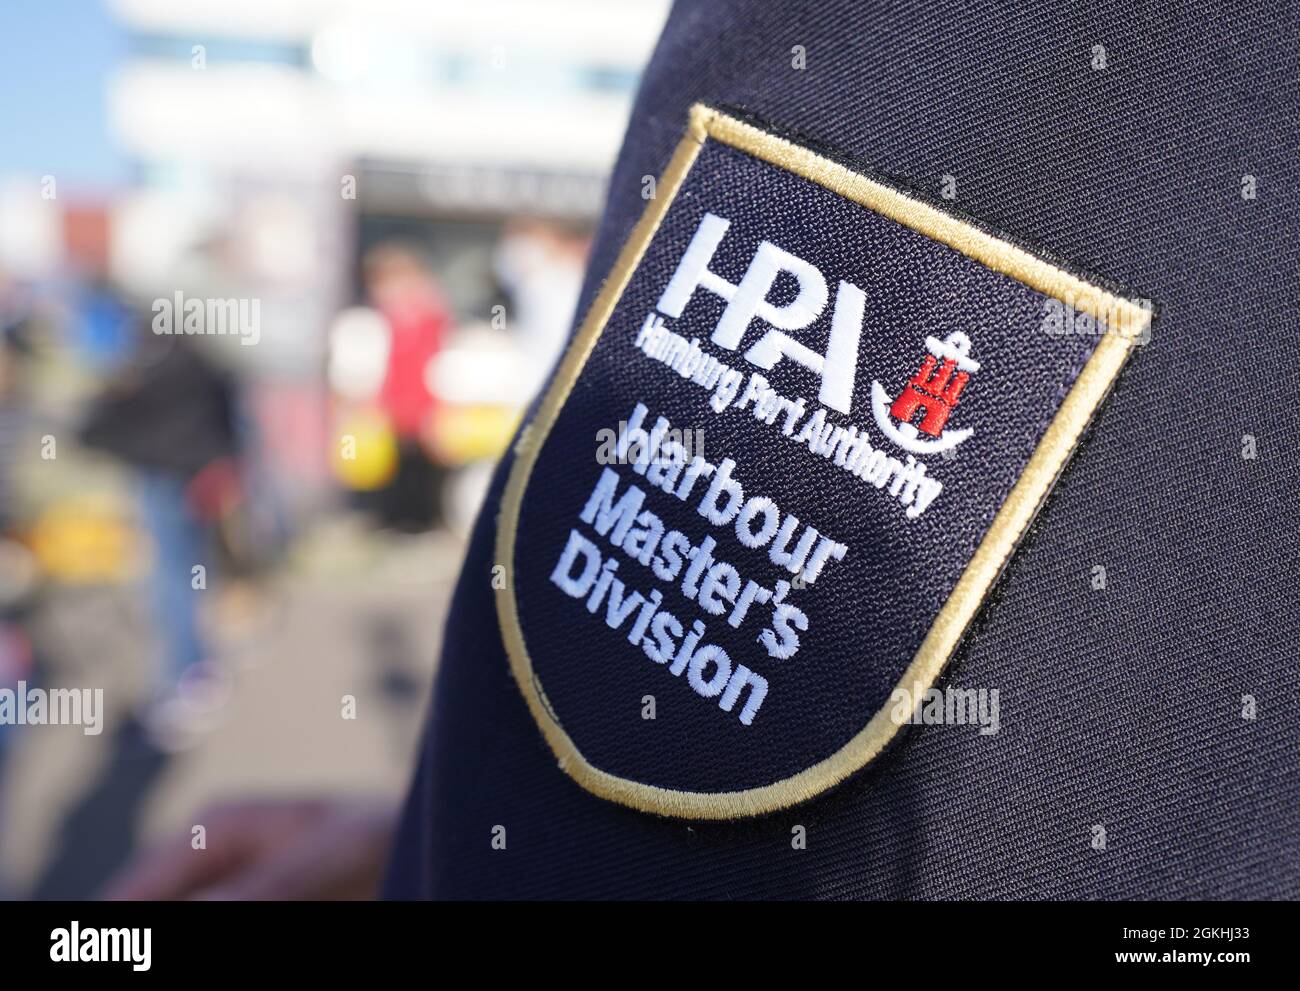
<point>1120,708</point>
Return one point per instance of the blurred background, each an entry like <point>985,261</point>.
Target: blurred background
<point>276,277</point>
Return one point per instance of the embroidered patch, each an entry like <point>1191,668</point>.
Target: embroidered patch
<point>785,458</point>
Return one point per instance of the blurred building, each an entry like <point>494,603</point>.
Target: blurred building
<point>274,142</point>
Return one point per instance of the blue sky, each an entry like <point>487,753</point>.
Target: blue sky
<point>55,60</point>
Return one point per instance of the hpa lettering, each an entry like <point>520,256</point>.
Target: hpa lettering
<point>747,301</point>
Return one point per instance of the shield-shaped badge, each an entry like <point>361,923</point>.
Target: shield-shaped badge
<point>786,456</point>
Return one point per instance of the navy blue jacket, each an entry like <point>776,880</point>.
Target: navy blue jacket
<point>1148,743</point>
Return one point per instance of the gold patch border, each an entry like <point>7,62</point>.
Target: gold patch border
<point>968,594</point>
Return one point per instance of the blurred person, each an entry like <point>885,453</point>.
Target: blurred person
<point>15,344</point>
<point>103,324</point>
<point>169,413</point>
<point>540,266</point>
<point>19,575</point>
<point>400,286</point>
<point>17,564</point>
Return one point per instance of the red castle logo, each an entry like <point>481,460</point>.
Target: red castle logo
<point>934,391</point>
